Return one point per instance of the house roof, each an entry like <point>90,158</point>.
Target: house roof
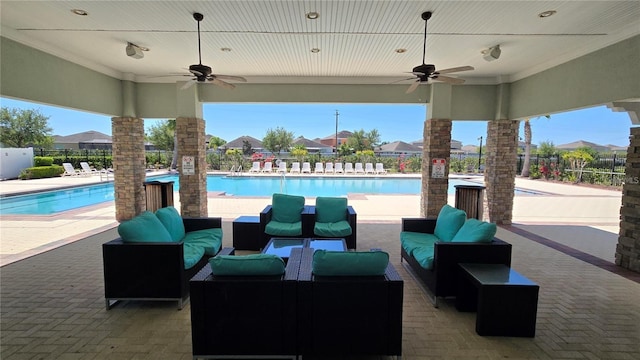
<point>581,143</point>
<point>310,144</point>
<point>344,134</point>
<point>399,146</point>
<point>83,137</point>
<point>239,142</point>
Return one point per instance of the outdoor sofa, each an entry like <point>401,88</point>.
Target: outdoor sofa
<point>156,255</point>
<point>245,307</point>
<point>434,247</point>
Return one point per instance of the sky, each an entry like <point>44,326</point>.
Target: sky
<point>394,122</point>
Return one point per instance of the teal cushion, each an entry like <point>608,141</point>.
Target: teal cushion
<point>332,229</point>
<point>287,208</point>
<point>208,239</point>
<point>475,230</point>
<point>283,229</point>
<point>449,221</point>
<point>331,209</point>
<point>424,256</point>
<point>349,263</point>
<point>172,221</point>
<point>247,265</point>
<point>144,228</point>
<point>192,254</point>
<point>412,240</point>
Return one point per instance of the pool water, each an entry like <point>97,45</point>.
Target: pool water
<point>51,202</point>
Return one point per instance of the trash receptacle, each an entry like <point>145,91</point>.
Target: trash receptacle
<point>159,194</point>
<point>470,199</point>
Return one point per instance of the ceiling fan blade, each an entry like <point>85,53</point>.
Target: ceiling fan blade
<point>232,78</point>
<point>413,87</point>
<point>455,69</point>
<point>223,84</point>
<point>397,81</point>
<point>188,84</point>
<point>447,79</point>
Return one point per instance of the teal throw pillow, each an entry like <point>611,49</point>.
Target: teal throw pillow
<point>287,208</point>
<point>172,221</point>
<point>331,209</point>
<point>144,228</point>
<point>475,230</point>
<point>349,263</point>
<point>449,221</point>
<point>247,265</point>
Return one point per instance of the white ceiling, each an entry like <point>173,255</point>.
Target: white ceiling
<point>271,40</point>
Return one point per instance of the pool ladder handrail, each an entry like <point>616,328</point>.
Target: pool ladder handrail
<point>236,171</point>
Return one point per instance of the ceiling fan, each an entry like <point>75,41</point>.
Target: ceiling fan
<point>424,72</point>
<point>203,73</point>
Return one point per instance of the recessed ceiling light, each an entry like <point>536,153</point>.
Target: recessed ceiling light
<point>400,51</point>
<point>315,50</point>
<point>547,13</point>
<point>225,49</point>
<point>79,12</point>
<point>312,15</point>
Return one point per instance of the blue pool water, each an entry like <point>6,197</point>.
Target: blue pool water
<point>51,202</point>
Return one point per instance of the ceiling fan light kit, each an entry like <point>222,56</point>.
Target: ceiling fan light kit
<point>492,53</point>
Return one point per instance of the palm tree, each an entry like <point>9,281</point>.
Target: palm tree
<point>526,164</point>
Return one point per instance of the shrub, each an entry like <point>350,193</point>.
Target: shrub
<point>534,172</point>
<point>42,161</point>
<point>39,172</point>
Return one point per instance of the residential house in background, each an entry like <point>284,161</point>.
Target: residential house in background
<point>581,143</point>
<point>88,140</point>
<point>239,143</point>
<point>398,148</point>
<point>313,147</point>
<point>331,139</point>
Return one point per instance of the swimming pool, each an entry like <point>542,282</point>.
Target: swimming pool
<point>51,202</point>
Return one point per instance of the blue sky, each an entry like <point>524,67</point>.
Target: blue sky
<point>394,122</point>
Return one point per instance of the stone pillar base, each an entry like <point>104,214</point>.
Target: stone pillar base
<point>193,187</point>
<point>128,166</point>
<point>437,145</point>
<point>628,248</point>
<point>500,173</point>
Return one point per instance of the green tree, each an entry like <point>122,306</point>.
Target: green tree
<point>361,140</point>
<point>299,151</point>
<point>215,142</point>
<point>163,136</point>
<point>21,128</point>
<point>527,146</point>
<point>578,158</point>
<point>546,149</point>
<point>277,140</point>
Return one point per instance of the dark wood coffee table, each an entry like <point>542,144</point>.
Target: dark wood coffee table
<point>283,246</point>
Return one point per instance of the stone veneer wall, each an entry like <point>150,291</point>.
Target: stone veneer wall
<point>129,166</point>
<point>193,188</point>
<point>500,169</point>
<point>437,145</point>
<point>628,248</point>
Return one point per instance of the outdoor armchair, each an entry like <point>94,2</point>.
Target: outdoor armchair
<point>286,216</point>
<point>334,218</point>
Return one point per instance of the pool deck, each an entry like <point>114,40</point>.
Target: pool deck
<point>562,213</point>
<point>52,303</point>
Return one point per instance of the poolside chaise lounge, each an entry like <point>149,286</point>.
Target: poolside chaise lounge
<point>359,169</point>
<point>268,167</point>
<point>348,168</point>
<point>156,255</point>
<point>255,167</point>
<point>329,168</point>
<point>338,168</point>
<point>306,168</point>
<point>295,168</point>
<point>319,168</point>
<point>282,167</point>
<point>433,247</point>
<point>69,170</point>
<point>368,168</point>
<point>380,169</point>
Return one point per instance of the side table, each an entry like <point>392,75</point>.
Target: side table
<point>246,233</point>
<point>506,301</point>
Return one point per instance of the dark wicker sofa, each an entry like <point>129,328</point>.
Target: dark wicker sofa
<point>244,315</point>
<point>441,280</point>
<point>349,315</point>
<point>151,270</point>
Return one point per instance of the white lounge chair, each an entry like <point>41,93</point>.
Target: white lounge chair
<point>69,170</point>
<point>87,170</point>
<point>268,167</point>
<point>319,168</point>
<point>282,167</point>
<point>348,168</point>
<point>338,168</point>
<point>306,168</point>
<point>328,168</point>
<point>255,167</point>
<point>359,169</point>
<point>380,169</point>
<point>368,168</point>
<point>295,167</point>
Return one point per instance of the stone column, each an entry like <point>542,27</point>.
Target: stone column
<point>500,169</point>
<point>193,188</point>
<point>437,145</point>
<point>628,248</point>
<point>129,166</point>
